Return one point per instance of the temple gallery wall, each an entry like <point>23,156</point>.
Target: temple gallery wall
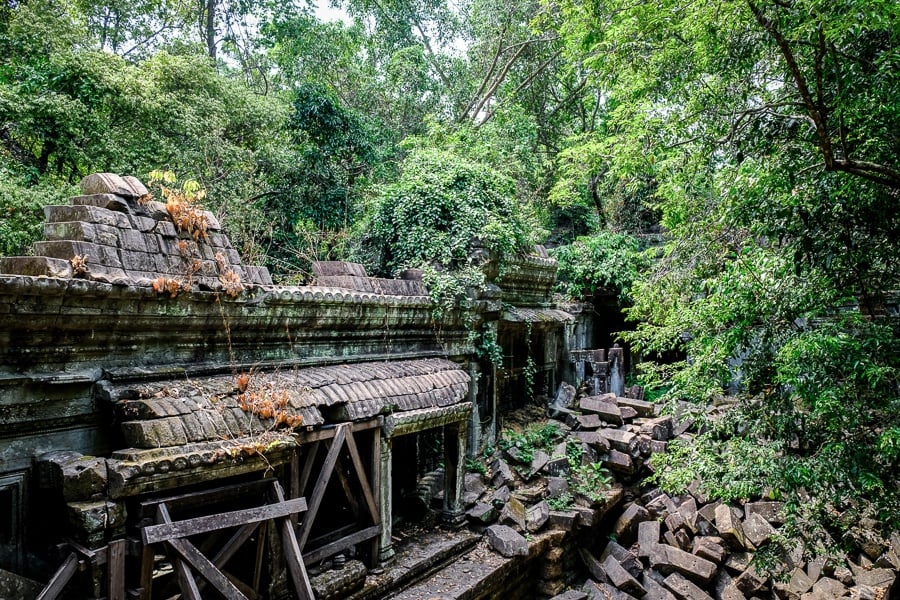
<point>155,390</point>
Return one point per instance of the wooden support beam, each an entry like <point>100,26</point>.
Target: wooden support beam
<point>186,581</point>
<point>188,552</point>
<point>115,566</point>
<point>348,491</point>
<point>324,477</point>
<point>59,580</point>
<point>164,532</point>
<point>307,467</point>
<point>260,554</point>
<point>342,544</point>
<point>325,433</point>
<point>363,478</point>
<point>202,498</point>
<point>292,553</point>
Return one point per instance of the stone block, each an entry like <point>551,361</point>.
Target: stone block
<point>507,541</point>
<point>738,562</point>
<point>603,591</point>
<point>557,486</point>
<point>109,183</point>
<point>83,478</point>
<point>661,506</point>
<point>622,579</point>
<point>626,526</point>
<point>655,590</point>
<point>642,407</point>
<point>647,536</point>
<point>589,421</point>
<point>711,548</point>
<point>592,439</point>
<point>607,411</point>
<point>500,496</point>
<point>626,558</point>
<point>668,559</point>
<point>621,462</point>
<point>826,589</point>
<point>138,189</point>
<point>729,527</point>
<point>800,582</point>
<point>36,266</point>
<point>685,589</point>
<point>620,439</point>
<point>757,529</point>
<point>536,516</point>
<point>514,512</point>
<point>659,429</point>
<point>502,474</point>
<point>770,511</point>
<point>538,462</point>
<point>565,520</point>
<point>687,509</point>
<point>482,513</point>
<point>750,582</point>
<point>872,577</point>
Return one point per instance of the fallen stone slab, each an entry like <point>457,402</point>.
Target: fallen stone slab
<point>592,439</point>
<point>655,590</point>
<point>620,439</point>
<point>607,411</point>
<point>538,462</point>
<point>685,589</point>
<point>503,475</point>
<point>688,511</point>
<point>603,591</point>
<point>668,559</point>
<point>750,582</point>
<point>507,541</point>
<point>659,429</point>
<point>799,583</point>
<point>621,462</point>
<point>661,506</point>
<point>874,578</point>
<point>500,496</point>
<point>642,407</point>
<point>622,579</point>
<point>826,589</point>
<point>589,422</point>
<point>738,562</point>
<point>626,558</point>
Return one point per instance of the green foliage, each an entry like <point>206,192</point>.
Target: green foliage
<point>534,437</point>
<point>604,262</point>
<point>588,479</point>
<point>22,214</point>
<point>441,208</point>
<point>563,501</point>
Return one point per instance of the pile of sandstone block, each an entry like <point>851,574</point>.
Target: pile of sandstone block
<point>113,234</point>
<point>685,548</point>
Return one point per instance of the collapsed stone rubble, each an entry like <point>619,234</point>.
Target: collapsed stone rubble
<point>654,546</point>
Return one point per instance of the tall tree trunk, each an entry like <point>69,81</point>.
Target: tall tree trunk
<point>210,32</point>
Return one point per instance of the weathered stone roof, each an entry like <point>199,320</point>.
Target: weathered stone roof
<point>173,413</point>
<point>518,314</point>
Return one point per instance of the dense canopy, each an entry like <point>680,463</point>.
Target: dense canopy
<point>750,149</point>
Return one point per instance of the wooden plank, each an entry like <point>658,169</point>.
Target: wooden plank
<point>147,559</point>
<point>295,480</point>
<point>314,556</point>
<point>186,582</point>
<point>260,553</point>
<point>164,532</point>
<point>292,554</point>
<point>203,497</point>
<point>322,482</point>
<point>363,478</point>
<point>116,569</point>
<point>214,576</point>
<point>328,432</point>
<point>59,580</point>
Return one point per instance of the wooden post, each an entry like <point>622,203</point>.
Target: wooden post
<point>115,565</point>
<point>386,548</point>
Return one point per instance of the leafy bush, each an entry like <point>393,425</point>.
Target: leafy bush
<point>606,261</point>
<point>22,214</point>
<point>440,209</point>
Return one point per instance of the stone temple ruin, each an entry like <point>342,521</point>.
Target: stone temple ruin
<point>153,387</point>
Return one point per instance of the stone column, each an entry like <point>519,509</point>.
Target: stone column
<point>385,546</point>
<point>616,359</point>
<point>454,473</point>
<point>474,443</point>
